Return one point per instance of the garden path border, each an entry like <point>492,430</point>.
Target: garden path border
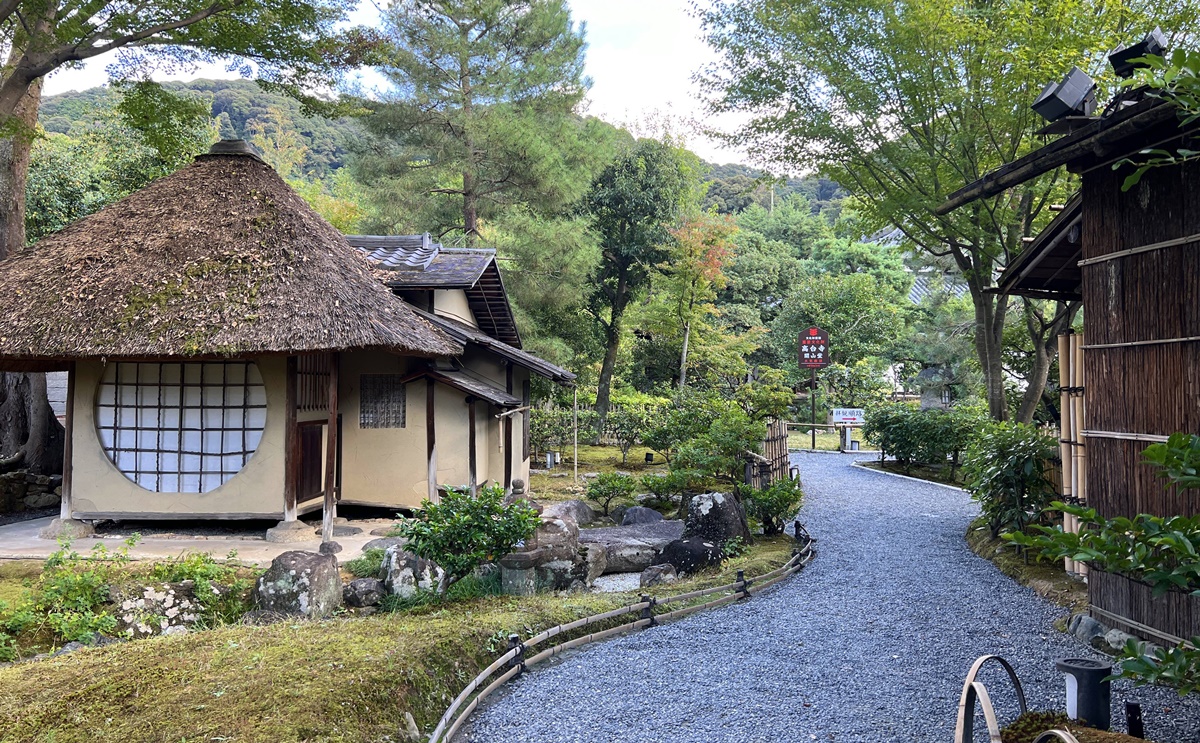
<point>909,477</point>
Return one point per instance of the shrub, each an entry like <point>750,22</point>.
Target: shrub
<point>460,532</point>
<point>627,424</point>
<point>609,487</point>
<point>720,451</point>
<point>1007,471</point>
<point>915,437</point>
<point>223,595</point>
<point>773,506</point>
<point>369,565</point>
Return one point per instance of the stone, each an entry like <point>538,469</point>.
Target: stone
<point>363,592</point>
<point>67,528</point>
<point>1115,639</point>
<point>640,515</point>
<point>288,532</point>
<point>590,475</point>
<point>382,531</point>
<point>411,731</point>
<point>176,630</point>
<point>595,559</point>
<point>632,549</point>
<point>384,542</point>
<point>617,514</point>
<point>517,581</point>
<point>518,495</point>
<point>329,548</point>
<point>715,517</point>
<point>159,609</point>
<point>656,575</point>
<point>691,554</point>
<point>298,582</point>
<point>1086,628</point>
<point>345,530</point>
<point>42,500</point>
<point>405,573</point>
<point>555,532</point>
<point>578,511</point>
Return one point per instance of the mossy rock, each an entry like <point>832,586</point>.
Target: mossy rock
<point>1027,728</point>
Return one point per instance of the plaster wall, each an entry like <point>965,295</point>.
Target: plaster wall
<point>452,303</point>
<point>100,490</point>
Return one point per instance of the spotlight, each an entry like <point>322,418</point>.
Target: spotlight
<point>1122,59</point>
<point>1074,96</point>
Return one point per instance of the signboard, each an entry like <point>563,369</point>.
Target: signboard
<point>814,349</point>
<point>850,416</point>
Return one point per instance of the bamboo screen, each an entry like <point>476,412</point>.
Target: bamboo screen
<point>181,428</point>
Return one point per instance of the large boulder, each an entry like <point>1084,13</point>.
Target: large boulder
<point>635,515</point>
<point>691,554</point>
<point>632,549</point>
<point>306,583</point>
<point>576,510</point>
<point>558,534</point>
<point>143,611</point>
<point>595,561</point>
<point>404,573</point>
<point>715,517</point>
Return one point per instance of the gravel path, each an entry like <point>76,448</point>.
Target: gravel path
<point>870,643</point>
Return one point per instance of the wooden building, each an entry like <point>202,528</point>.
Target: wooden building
<point>231,356</point>
<point>1133,257</point>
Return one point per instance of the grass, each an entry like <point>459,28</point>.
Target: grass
<point>932,474</point>
<point>13,576</point>
<point>545,488</point>
<point>1047,579</point>
<point>803,440</point>
<point>339,680</point>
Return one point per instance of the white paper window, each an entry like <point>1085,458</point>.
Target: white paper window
<point>181,428</point>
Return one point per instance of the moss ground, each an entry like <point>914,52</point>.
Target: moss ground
<point>343,679</point>
<point>825,441</point>
<point>1047,579</point>
<point>545,488</point>
<point>14,574</point>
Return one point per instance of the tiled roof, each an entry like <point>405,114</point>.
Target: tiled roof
<point>397,252</point>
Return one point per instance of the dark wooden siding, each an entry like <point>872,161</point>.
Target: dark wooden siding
<point>1146,390</point>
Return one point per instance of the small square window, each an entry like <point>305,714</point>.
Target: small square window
<point>382,401</point>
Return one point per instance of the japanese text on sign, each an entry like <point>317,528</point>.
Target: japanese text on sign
<point>848,415</point>
<point>814,349</point>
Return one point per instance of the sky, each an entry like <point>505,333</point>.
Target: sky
<point>641,57</point>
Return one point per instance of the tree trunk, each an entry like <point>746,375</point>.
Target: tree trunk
<point>1045,348</point>
<point>612,337</point>
<point>29,432</point>
<point>989,331</point>
<point>15,154</point>
<point>687,336</point>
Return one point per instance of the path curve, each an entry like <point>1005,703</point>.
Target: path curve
<point>870,643</point>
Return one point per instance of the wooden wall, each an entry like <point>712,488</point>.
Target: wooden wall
<point>1136,394</point>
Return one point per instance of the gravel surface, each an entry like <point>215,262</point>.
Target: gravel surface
<point>870,643</point>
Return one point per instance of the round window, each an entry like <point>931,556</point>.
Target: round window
<point>181,428</point>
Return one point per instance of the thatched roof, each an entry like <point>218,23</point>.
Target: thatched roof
<point>219,259</point>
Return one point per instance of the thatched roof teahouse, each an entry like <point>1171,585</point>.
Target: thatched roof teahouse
<point>231,356</point>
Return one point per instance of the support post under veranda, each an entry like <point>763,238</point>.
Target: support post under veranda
<point>329,510</point>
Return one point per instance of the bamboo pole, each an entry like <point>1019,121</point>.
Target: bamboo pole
<point>1066,455</point>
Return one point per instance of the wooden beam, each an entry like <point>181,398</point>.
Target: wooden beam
<point>291,443</point>
<point>431,438</point>
<point>472,459</point>
<point>508,431</point>
<point>329,512</point>
<point>68,435</point>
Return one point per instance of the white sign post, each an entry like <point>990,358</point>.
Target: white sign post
<point>848,416</point>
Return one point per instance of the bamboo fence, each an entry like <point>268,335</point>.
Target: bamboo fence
<point>1073,450</point>
<point>516,659</point>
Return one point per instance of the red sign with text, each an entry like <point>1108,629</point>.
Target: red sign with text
<point>814,349</point>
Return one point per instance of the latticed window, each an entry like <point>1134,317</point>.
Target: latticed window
<point>181,428</point>
<point>382,401</point>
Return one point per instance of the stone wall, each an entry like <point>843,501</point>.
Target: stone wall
<point>21,491</point>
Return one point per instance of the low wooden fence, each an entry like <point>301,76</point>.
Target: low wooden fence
<point>517,659</point>
<point>773,466</point>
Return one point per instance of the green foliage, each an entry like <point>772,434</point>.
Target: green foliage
<point>627,423</point>
<point>1175,77</point>
<point>915,437</point>
<point>1177,667</point>
<point>775,505</point>
<point>1008,472</point>
<point>460,532</point>
<point>473,586</point>
<point>219,587</point>
<point>1179,458</point>
<point>367,565</point>
<point>720,451</point>
<point>734,547</point>
<point>692,413</point>
<point>1161,551</point>
<point>608,487</point>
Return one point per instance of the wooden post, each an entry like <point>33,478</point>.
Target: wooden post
<point>508,432</point>
<point>431,439</point>
<point>812,398</point>
<point>65,509</point>
<point>329,512</point>
<point>473,477</point>
<point>575,427</point>
<point>291,443</point>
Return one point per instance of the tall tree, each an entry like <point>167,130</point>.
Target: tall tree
<point>481,114</point>
<point>292,41</point>
<point>905,101</point>
<point>633,204</point>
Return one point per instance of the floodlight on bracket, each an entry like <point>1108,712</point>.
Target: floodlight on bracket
<point>1122,60</point>
<point>1075,95</point>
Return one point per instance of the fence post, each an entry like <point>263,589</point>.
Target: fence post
<point>518,660</point>
<point>741,576</point>
<point>648,610</point>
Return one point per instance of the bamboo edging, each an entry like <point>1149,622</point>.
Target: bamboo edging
<point>445,730</point>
